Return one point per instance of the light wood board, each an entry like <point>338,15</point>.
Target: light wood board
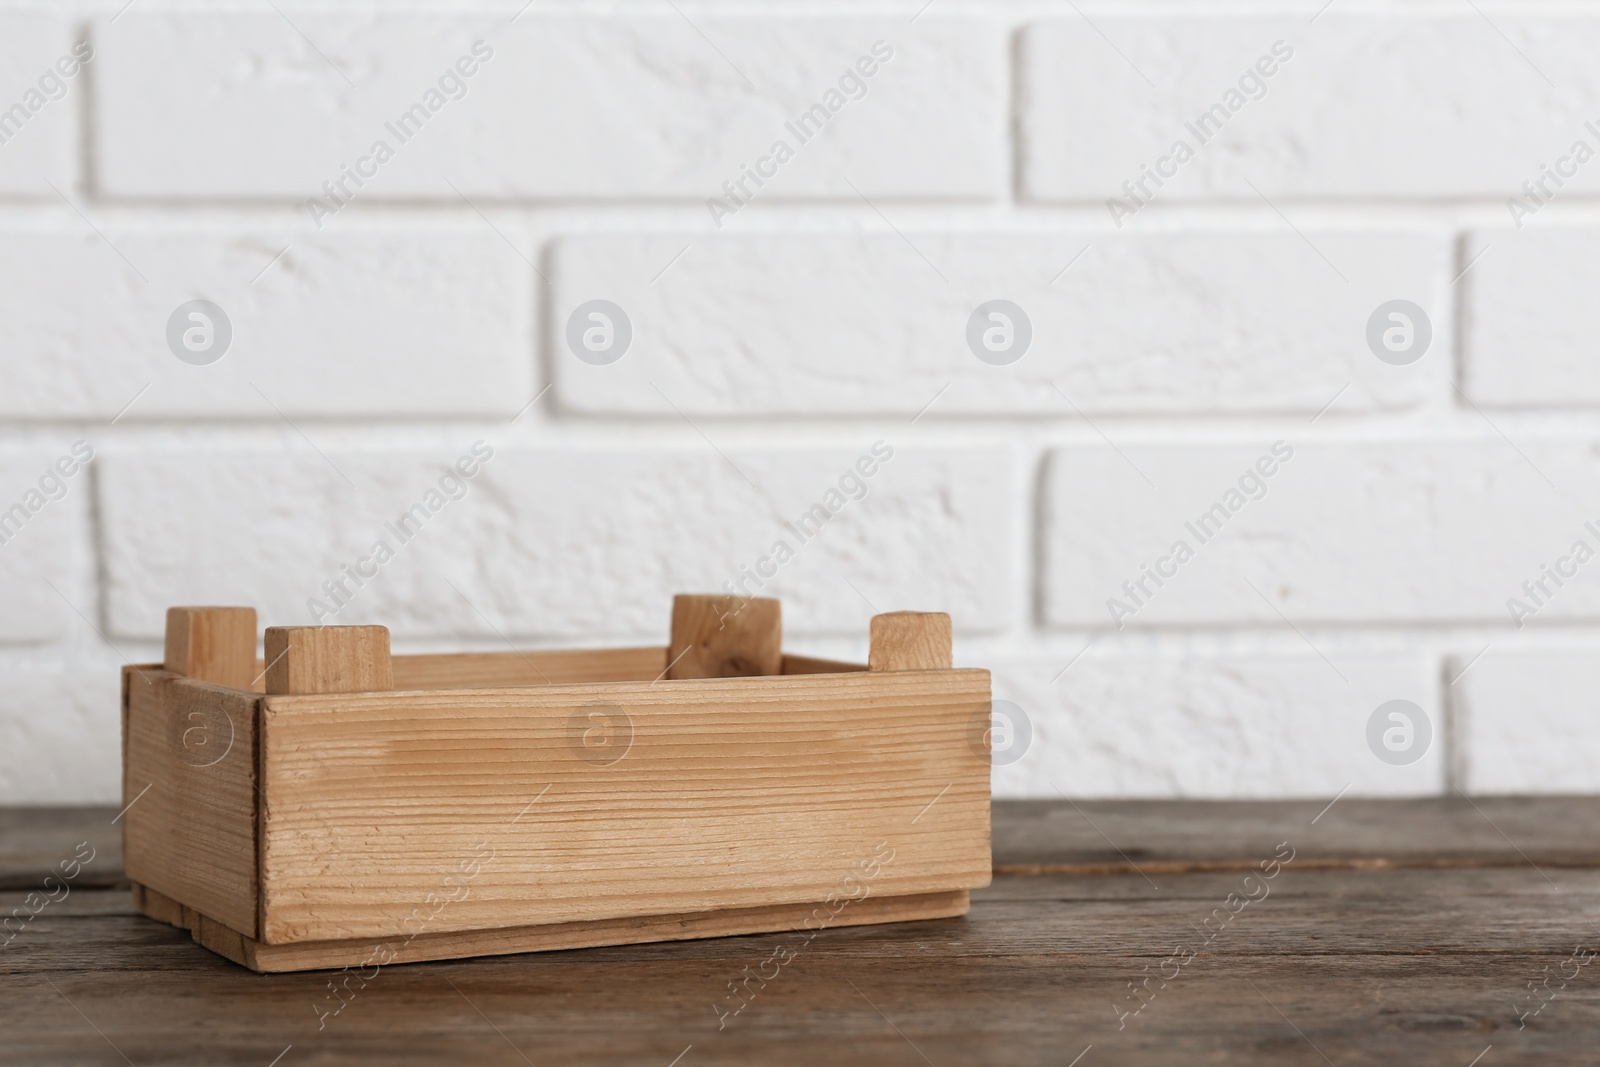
<point>712,794</point>
<point>314,955</point>
<point>189,783</point>
<point>480,670</point>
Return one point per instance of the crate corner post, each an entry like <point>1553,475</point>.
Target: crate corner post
<point>910,641</point>
<point>328,659</point>
<point>725,637</point>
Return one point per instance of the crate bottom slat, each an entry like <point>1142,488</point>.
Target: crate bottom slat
<point>324,955</point>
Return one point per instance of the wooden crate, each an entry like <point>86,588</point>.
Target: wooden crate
<point>334,806</point>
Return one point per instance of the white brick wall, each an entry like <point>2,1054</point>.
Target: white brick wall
<point>650,106</point>
<point>782,323</point>
<point>402,321</point>
<point>585,541</point>
<point>1225,322</point>
<point>37,143</point>
<point>1528,722</point>
<point>1407,103</point>
<point>1531,331</point>
<point>1185,725</point>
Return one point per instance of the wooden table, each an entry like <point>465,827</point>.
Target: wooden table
<point>1442,931</point>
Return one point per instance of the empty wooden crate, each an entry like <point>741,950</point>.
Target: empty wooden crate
<point>330,805</point>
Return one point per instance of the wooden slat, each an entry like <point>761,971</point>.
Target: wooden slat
<point>189,776</point>
<point>910,641</point>
<point>328,659</point>
<point>162,908</point>
<point>310,955</point>
<point>725,637</point>
<point>1360,967</point>
<point>727,793</point>
<point>817,665</point>
<point>1104,836</point>
<point>216,645</point>
<point>1045,837</point>
<point>35,841</point>
<point>482,670</point>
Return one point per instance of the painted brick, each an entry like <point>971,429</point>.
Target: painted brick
<point>1393,105</point>
<point>573,543</point>
<point>1400,531</point>
<point>395,322</point>
<point>61,731</point>
<point>1272,724</point>
<point>39,104</point>
<point>1529,318</point>
<point>1526,721</point>
<point>44,542</point>
<point>650,106</point>
<point>813,324</point>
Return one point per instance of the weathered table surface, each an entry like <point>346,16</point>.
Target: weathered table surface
<point>1445,931</point>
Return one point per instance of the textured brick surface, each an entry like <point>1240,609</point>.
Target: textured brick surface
<point>580,543</point>
<point>1462,104</point>
<point>44,542</point>
<point>1175,323</point>
<point>1531,324</point>
<point>39,104</point>
<point>1527,721</point>
<point>787,308</point>
<point>1269,724</point>
<point>641,106</point>
<point>1388,533</point>
<point>60,730</point>
<point>396,322</point>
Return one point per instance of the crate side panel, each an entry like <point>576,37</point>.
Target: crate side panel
<point>410,812</point>
<point>189,774</point>
<point>472,670</point>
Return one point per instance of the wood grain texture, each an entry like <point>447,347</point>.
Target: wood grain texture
<point>32,839</point>
<point>161,908</point>
<point>816,665</point>
<point>328,659</point>
<point>725,637</point>
<point>189,783</point>
<point>216,645</point>
<point>910,641</point>
<point>327,955</point>
<point>712,794</point>
<point>480,670</point>
<point>1364,967</point>
<point>1105,836</point>
<point>1040,836</point>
